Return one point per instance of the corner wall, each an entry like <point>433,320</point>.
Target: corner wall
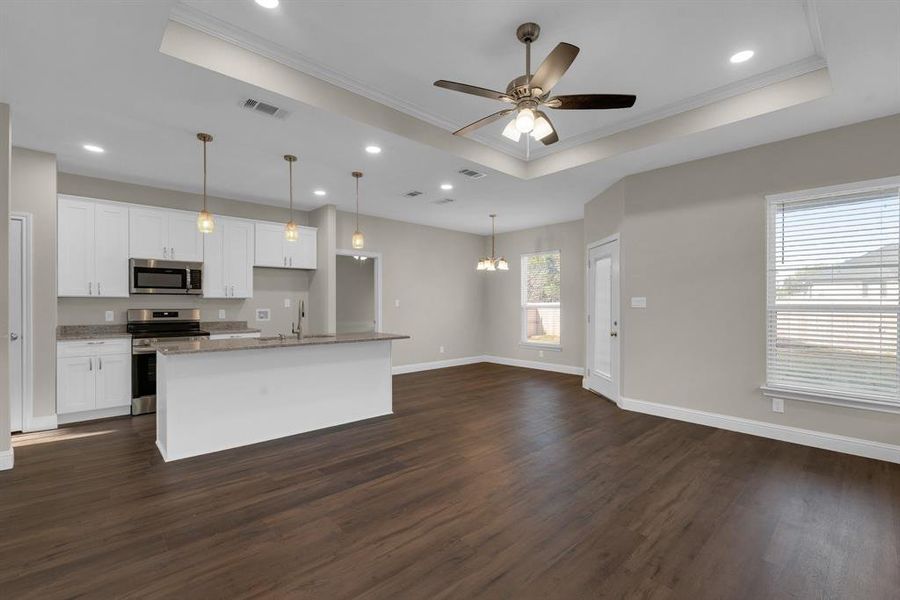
<point>6,455</point>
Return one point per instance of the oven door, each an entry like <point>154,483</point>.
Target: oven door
<point>161,277</point>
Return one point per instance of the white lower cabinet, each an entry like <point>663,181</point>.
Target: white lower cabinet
<point>93,379</point>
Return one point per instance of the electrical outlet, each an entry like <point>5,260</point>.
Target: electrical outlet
<point>540,354</point>
<point>442,349</point>
<point>778,405</point>
<point>287,302</point>
<point>221,313</point>
<point>110,315</point>
<point>397,303</point>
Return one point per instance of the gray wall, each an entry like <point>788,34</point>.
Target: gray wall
<point>503,293</point>
<point>431,272</point>
<point>322,307</point>
<point>693,243</point>
<point>5,156</point>
<point>355,293</point>
<point>34,192</point>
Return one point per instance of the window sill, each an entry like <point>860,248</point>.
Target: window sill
<point>537,346</point>
<point>831,399</point>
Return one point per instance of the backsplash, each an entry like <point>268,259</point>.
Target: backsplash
<point>270,289</point>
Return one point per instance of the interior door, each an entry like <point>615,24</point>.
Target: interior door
<point>16,324</point>
<point>75,245</point>
<point>111,250</point>
<point>185,240</point>
<point>239,258</point>
<point>603,314</point>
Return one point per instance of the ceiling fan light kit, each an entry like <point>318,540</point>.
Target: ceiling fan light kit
<point>529,93</point>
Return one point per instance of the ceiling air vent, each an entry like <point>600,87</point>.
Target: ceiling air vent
<point>444,201</point>
<point>472,174</point>
<point>413,194</point>
<point>263,107</point>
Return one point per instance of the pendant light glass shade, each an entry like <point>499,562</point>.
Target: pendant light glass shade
<point>291,233</point>
<point>205,222</point>
<point>358,241</point>
<point>492,263</point>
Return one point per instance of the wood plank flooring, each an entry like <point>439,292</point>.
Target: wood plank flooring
<point>487,482</point>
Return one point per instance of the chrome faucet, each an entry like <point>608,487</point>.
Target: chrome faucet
<point>301,312</point>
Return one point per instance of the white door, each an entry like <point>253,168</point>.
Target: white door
<point>214,285</point>
<point>603,315</point>
<point>113,380</point>
<point>75,245</point>
<point>302,253</point>
<point>148,233</point>
<point>75,384</point>
<point>239,258</point>
<point>185,240</point>
<point>16,323</point>
<point>270,245</point>
<point>111,250</point>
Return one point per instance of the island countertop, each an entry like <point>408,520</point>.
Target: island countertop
<point>174,348</point>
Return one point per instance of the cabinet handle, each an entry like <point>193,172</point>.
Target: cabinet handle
<point>90,364</point>
<point>165,252</point>
<point>291,259</point>
<point>172,252</point>
<point>99,293</point>
<point>232,291</point>
<point>90,288</point>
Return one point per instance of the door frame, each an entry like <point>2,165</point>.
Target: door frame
<point>376,256</point>
<point>616,237</point>
<point>27,319</point>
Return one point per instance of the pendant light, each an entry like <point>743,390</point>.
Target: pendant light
<point>291,233</point>
<point>492,263</point>
<point>358,242</point>
<point>205,221</point>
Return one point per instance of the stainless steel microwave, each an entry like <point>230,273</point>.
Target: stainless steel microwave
<point>170,277</point>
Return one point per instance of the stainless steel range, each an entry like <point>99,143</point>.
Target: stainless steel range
<point>147,327</point>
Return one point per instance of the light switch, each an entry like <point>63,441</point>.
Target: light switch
<point>287,302</point>
<point>397,303</point>
<point>221,313</point>
<point>638,302</point>
<point>110,315</point>
<point>442,349</point>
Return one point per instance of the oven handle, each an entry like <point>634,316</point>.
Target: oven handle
<point>143,350</point>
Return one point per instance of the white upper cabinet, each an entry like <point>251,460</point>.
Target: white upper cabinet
<point>92,248</point>
<point>165,234</point>
<point>228,259</point>
<point>272,250</point>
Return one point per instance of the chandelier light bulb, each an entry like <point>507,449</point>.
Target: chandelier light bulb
<point>525,120</point>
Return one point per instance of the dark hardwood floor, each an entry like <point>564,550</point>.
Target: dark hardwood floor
<point>488,481</point>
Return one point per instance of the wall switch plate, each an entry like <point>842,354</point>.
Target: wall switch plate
<point>287,302</point>
<point>221,313</point>
<point>397,303</point>
<point>442,349</point>
<point>540,354</point>
<point>110,315</point>
<point>778,405</point>
<point>638,302</point>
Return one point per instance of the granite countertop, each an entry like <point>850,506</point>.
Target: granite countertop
<point>219,327</point>
<point>271,342</point>
<point>74,333</point>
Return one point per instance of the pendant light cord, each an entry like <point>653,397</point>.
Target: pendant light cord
<point>291,186</point>
<point>204,175</point>
<point>357,203</point>
<point>492,236</point>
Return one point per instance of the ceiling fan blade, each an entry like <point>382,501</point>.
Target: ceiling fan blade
<point>482,122</point>
<point>552,137</point>
<point>591,101</point>
<point>472,89</point>
<point>554,66</point>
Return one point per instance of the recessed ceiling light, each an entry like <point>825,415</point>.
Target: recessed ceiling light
<point>373,149</point>
<point>268,3</point>
<point>446,186</point>
<point>93,148</point>
<point>742,56</point>
<point>319,192</point>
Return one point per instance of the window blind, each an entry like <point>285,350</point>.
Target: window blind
<point>832,294</point>
<point>541,298</point>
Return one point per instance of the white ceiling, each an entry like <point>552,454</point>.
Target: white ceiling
<point>79,72</point>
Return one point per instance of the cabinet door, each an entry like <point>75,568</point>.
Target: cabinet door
<point>185,240</point>
<point>270,245</point>
<point>239,258</point>
<point>111,250</point>
<point>113,376</point>
<point>302,253</point>
<point>148,233</point>
<point>214,283</point>
<point>75,384</point>
<point>75,248</point>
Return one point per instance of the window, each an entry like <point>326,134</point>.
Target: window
<point>540,298</point>
<point>832,295</point>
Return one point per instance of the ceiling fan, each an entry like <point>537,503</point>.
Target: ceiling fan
<point>529,93</point>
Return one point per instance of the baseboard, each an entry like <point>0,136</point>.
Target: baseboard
<point>41,424</point>
<point>436,364</point>
<point>784,433</point>
<point>90,415</point>
<point>7,458</point>
<point>534,364</point>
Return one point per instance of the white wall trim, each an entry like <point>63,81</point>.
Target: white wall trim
<point>27,318</point>
<point>436,364</point>
<point>41,423</point>
<point>784,433</point>
<point>533,364</point>
<point>7,458</point>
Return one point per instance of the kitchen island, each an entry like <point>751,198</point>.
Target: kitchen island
<point>213,395</point>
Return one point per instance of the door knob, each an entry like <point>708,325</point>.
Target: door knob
<point>13,337</point>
